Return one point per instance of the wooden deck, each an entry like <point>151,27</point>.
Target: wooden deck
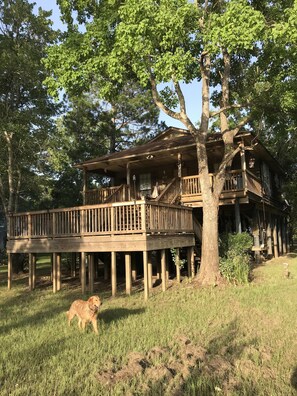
<point>120,227</point>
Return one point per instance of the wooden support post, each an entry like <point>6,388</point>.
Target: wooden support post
<point>243,167</point>
<point>30,271</point>
<point>106,266</point>
<point>85,183</point>
<point>237,217</point>
<point>113,274</point>
<point>128,273</point>
<point>279,235</point>
<point>269,235</point>
<point>33,270</point>
<point>177,264</point>
<point>58,271</point>
<point>134,269</point>
<point>275,248</point>
<point>163,269</point>
<point>9,270</point>
<point>167,266</point>
<point>158,265</point>
<point>73,265</point>
<point>83,272</point>
<point>284,239</point>
<point>91,273</point>
<point>287,236</point>
<point>145,275</point>
<point>128,177</point>
<point>54,272</point>
<point>150,271</point>
<point>191,262</point>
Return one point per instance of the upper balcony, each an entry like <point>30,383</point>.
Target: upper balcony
<point>239,184</point>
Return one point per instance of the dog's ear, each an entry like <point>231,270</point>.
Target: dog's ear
<point>91,301</point>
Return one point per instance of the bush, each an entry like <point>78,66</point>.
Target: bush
<point>235,259</point>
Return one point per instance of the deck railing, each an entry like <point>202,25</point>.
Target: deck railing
<point>171,192</point>
<point>254,184</point>
<point>107,194</point>
<point>104,219</point>
<point>234,182</point>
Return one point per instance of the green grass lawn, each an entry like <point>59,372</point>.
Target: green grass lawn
<point>187,341</point>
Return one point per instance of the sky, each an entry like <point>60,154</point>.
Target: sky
<point>192,92</point>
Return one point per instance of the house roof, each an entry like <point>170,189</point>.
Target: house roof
<point>164,147</point>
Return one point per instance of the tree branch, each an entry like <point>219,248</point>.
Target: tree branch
<point>234,106</point>
<point>181,98</point>
<point>158,101</point>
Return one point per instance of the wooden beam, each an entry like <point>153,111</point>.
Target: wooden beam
<point>113,274</point>
<point>9,270</point>
<point>163,269</point>
<point>83,272</point>
<point>128,273</point>
<point>145,275</point>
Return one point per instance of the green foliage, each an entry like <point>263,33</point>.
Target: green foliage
<point>235,260</point>
<point>236,27</point>
<point>177,261</point>
<point>25,106</point>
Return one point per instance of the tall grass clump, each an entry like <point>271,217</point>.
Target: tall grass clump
<point>235,258</point>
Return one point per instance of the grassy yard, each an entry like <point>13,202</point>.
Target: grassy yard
<point>187,341</point>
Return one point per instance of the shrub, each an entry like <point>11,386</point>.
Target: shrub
<point>235,259</point>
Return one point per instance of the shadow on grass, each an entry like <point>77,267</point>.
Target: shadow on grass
<point>215,373</point>
<point>27,360</point>
<point>114,314</point>
<point>12,310</point>
<point>294,378</point>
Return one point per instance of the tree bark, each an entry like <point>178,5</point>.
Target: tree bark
<point>209,273</point>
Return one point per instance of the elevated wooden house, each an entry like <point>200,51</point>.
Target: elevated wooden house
<point>151,203</point>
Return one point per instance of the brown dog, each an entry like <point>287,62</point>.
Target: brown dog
<point>86,311</point>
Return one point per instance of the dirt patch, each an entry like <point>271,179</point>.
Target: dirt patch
<point>164,365</point>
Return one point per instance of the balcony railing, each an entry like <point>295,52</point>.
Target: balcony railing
<point>237,181</point>
<point>234,182</point>
<point>104,219</point>
<point>107,194</point>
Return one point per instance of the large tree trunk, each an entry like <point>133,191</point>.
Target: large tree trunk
<point>209,273</point>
